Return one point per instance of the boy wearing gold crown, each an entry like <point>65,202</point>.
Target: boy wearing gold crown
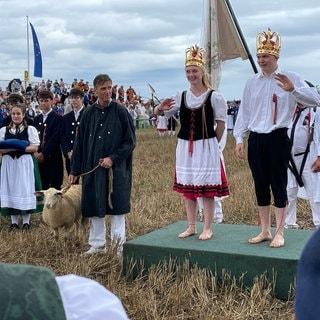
<point>199,172</point>
<point>266,110</point>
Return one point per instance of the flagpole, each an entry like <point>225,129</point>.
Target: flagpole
<point>28,54</point>
<point>241,36</point>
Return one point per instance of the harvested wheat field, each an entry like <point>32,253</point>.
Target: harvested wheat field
<point>166,292</point>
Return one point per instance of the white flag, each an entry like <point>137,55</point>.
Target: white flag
<point>222,39</point>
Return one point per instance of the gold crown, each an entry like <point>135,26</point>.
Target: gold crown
<point>195,57</point>
<point>268,42</point>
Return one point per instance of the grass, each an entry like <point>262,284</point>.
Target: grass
<point>167,292</point>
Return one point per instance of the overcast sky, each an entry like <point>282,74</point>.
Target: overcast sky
<point>144,41</point>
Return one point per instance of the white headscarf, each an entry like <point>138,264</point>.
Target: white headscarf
<point>86,299</point>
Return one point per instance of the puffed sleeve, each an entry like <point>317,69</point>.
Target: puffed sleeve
<point>33,136</point>
<point>176,107</point>
<point>2,133</point>
<point>219,106</point>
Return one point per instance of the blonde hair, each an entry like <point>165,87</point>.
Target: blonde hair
<point>206,80</point>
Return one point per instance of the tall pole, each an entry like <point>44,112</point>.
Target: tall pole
<point>241,36</point>
<point>26,75</point>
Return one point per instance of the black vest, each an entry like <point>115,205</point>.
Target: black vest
<point>198,123</point>
<point>21,136</point>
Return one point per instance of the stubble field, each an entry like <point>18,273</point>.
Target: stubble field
<point>166,292</point>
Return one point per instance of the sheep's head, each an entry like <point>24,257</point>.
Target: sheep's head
<point>51,196</point>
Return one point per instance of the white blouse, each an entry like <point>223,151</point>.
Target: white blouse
<point>32,134</point>
<point>218,104</point>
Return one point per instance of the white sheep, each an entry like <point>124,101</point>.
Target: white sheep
<point>62,208</point>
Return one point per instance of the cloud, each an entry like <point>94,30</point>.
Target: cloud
<point>140,42</point>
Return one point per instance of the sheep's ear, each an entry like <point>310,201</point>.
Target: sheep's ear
<point>59,193</point>
<point>39,193</point>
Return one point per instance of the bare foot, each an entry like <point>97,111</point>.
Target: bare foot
<point>206,235</point>
<point>189,232</point>
<point>260,238</point>
<point>277,242</point>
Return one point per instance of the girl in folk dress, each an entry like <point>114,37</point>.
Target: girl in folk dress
<point>17,169</point>
<point>199,171</point>
<point>162,125</point>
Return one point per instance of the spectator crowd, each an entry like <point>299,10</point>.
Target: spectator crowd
<point>141,110</point>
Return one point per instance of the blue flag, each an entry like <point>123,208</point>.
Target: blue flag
<point>37,54</point>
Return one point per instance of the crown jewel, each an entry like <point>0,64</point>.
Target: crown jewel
<point>268,42</point>
<point>195,57</point>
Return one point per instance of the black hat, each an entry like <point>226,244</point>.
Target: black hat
<point>15,96</point>
<point>45,94</point>
<point>76,92</point>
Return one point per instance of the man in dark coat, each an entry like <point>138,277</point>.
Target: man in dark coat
<point>49,155</point>
<point>102,154</point>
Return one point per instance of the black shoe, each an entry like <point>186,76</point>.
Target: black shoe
<point>25,227</point>
<point>14,226</point>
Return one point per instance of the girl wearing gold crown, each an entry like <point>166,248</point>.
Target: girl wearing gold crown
<point>267,107</point>
<point>199,172</point>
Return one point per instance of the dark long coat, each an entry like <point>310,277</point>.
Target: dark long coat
<point>107,132</point>
<point>51,169</point>
<point>69,129</point>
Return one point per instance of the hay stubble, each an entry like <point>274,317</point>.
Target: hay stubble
<point>167,292</point>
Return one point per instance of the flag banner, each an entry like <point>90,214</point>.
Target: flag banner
<point>153,92</point>
<point>37,54</point>
<point>222,39</point>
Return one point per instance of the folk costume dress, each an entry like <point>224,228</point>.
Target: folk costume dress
<point>162,124</point>
<point>19,174</point>
<point>199,171</point>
